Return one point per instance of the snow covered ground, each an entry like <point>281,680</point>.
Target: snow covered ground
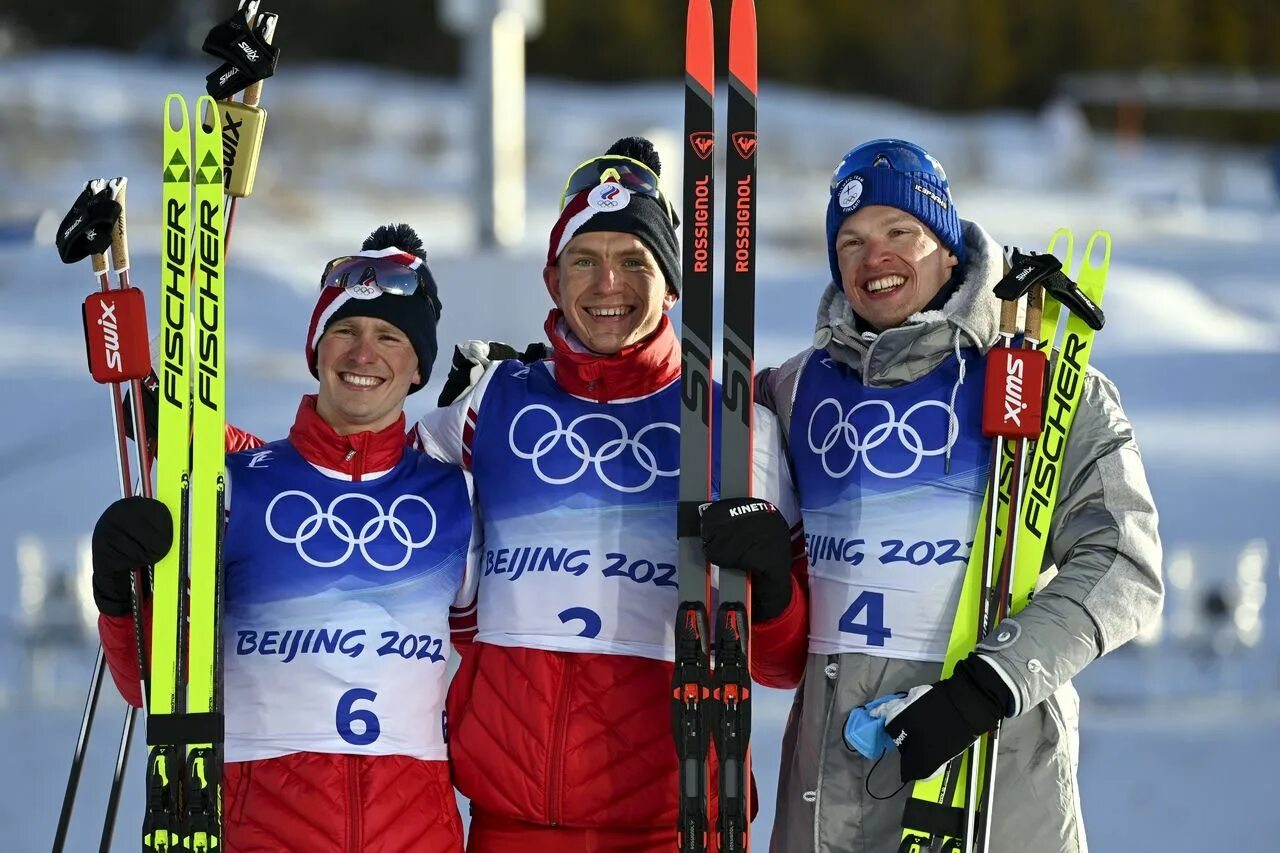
<point>1173,742</point>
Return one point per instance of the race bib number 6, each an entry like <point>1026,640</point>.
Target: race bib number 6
<point>364,719</point>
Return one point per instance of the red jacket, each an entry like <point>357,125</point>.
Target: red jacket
<point>574,739</point>
<point>319,801</point>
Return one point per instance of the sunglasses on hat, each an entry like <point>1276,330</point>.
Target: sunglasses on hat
<point>895,154</point>
<point>632,174</point>
<point>371,273</point>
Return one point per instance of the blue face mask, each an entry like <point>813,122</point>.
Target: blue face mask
<point>864,733</point>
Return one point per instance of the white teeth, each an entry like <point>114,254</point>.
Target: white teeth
<point>609,312</point>
<point>876,285</point>
<point>357,379</point>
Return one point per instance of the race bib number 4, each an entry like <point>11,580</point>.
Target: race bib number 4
<point>890,596</point>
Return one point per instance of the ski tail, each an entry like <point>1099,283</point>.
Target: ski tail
<point>731,692</point>
<point>691,681</point>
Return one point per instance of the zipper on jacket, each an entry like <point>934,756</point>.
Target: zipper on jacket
<point>242,795</point>
<point>354,806</point>
<point>556,747</point>
<point>834,684</point>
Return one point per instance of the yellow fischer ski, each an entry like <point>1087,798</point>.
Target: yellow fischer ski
<point>184,724</point>
<point>208,490</point>
<point>935,818</point>
<point>161,831</point>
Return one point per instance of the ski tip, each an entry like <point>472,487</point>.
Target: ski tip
<point>699,45</point>
<point>207,110</point>
<point>742,43</point>
<point>1062,252</point>
<point>1102,238</point>
<point>175,119</point>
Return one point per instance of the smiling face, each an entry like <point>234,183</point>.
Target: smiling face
<point>366,367</point>
<point>891,265</point>
<point>610,289</point>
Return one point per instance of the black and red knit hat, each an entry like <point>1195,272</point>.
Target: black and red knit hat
<point>416,314</point>
<point>611,206</point>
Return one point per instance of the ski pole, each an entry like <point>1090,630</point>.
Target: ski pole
<point>138,587</point>
<point>114,322</point>
<point>1024,386</point>
<point>246,42</point>
<point>1008,328</point>
<point>78,236</point>
<point>77,757</point>
<point>1012,415</point>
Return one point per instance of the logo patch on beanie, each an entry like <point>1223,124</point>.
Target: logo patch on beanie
<point>850,194</point>
<point>608,197</point>
<point>923,190</point>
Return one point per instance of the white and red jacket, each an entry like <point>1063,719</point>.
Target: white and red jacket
<point>343,556</point>
<point>561,712</point>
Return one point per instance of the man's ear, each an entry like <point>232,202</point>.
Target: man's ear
<point>551,277</point>
<point>669,299</point>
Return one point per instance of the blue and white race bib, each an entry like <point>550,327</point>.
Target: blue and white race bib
<point>888,527</point>
<point>336,630</point>
<point>579,501</point>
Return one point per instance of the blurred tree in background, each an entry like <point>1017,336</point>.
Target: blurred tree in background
<point>942,54</point>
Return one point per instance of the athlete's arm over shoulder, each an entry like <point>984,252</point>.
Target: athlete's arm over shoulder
<point>463,622</point>
<point>446,433</point>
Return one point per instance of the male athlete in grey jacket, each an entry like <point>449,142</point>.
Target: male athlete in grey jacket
<point>882,421</point>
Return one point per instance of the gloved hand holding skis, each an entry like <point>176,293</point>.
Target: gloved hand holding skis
<point>133,532</point>
<point>750,535</point>
<point>931,724</point>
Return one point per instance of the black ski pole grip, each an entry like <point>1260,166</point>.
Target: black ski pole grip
<point>87,228</point>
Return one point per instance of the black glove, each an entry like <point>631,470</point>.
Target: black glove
<point>938,725</point>
<point>132,533</point>
<point>472,357</point>
<point>750,535</point>
<point>249,58</point>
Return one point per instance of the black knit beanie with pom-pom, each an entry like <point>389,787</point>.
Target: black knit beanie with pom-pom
<point>416,314</point>
<point>610,206</point>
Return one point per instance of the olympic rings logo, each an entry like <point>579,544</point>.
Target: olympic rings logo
<point>337,526</point>
<point>908,437</point>
<point>578,446</point>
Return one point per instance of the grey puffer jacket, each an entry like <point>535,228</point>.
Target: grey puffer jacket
<point>1100,584</point>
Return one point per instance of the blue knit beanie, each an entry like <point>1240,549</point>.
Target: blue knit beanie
<point>898,174</point>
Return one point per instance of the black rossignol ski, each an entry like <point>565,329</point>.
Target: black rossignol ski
<point>691,682</point>
<point>730,704</point>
